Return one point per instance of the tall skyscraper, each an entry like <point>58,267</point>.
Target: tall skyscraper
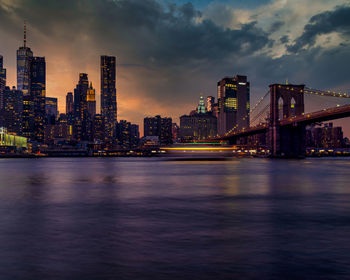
<point>2,82</point>
<point>28,117</point>
<point>80,108</point>
<point>210,103</point>
<point>51,109</point>
<point>109,95</point>
<point>69,103</point>
<point>24,55</point>
<point>91,101</point>
<point>38,93</point>
<point>98,128</point>
<point>233,103</point>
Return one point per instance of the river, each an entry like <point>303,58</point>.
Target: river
<point>149,218</point>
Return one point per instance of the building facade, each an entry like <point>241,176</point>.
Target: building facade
<point>98,128</point>
<point>69,103</point>
<point>13,110</point>
<point>51,109</point>
<point>91,101</point>
<point>2,82</point>
<point>233,103</point>
<point>327,136</point>
<point>24,56</point>
<point>37,92</point>
<point>210,103</point>
<point>158,126</point>
<point>109,95</point>
<point>81,131</point>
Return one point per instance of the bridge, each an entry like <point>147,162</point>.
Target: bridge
<point>284,126</point>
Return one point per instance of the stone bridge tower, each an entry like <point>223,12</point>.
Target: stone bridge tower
<point>286,101</point>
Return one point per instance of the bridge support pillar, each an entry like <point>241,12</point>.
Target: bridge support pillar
<point>286,141</point>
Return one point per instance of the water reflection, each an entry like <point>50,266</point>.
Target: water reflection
<point>150,219</point>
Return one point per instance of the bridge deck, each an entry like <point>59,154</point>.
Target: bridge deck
<point>306,119</point>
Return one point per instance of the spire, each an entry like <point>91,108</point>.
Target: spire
<point>25,35</point>
<point>201,105</point>
<point>90,85</point>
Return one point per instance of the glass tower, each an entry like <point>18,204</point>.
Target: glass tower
<point>109,95</point>
<point>2,82</point>
<point>24,55</point>
<point>38,95</point>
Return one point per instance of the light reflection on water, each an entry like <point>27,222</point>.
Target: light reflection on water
<point>110,218</point>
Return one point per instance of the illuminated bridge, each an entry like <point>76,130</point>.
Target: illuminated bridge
<point>282,122</point>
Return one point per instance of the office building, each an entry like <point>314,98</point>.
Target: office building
<point>176,132</point>
<point>12,111</point>
<point>24,56</point>
<point>233,103</point>
<point>28,117</point>
<point>37,92</point>
<point>198,126</point>
<point>91,101</point>
<point>51,109</point>
<point>81,123</point>
<point>128,135</point>
<point>109,95</point>
<point>327,136</point>
<point>2,82</point>
<point>158,126</point>
<point>98,128</point>
<point>134,136</point>
<point>210,103</point>
<point>69,103</point>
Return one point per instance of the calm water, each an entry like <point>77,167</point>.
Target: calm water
<point>154,219</point>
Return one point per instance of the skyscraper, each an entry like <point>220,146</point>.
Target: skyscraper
<point>24,55</point>
<point>98,128</point>
<point>109,95</point>
<point>201,105</point>
<point>80,108</point>
<point>13,107</point>
<point>51,109</point>
<point>38,94</point>
<point>210,103</point>
<point>91,101</point>
<point>2,82</point>
<point>28,117</point>
<point>233,103</point>
<point>69,103</point>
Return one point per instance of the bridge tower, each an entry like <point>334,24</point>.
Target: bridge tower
<point>286,141</point>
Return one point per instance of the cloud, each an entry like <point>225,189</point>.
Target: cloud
<point>167,54</point>
<point>327,22</point>
<point>276,26</point>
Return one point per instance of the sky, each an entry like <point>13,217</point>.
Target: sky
<point>171,51</point>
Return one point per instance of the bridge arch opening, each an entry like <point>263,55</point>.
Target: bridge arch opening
<point>292,107</point>
<point>280,108</point>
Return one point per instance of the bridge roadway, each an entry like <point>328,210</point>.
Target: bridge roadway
<point>305,119</point>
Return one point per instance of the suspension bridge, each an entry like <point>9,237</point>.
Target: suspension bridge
<point>281,123</point>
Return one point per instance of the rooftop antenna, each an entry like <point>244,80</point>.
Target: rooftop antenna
<point>25,35</point>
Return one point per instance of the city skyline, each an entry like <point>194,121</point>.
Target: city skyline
<point>153,68</point>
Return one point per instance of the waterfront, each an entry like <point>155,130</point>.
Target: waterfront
<point>150,218</point>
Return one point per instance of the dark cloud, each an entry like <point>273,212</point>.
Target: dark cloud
<point>327,22</point>
<point>167,39</point>
<point>168,54</point>
<point>276,26</point>
<point>284,39</point>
